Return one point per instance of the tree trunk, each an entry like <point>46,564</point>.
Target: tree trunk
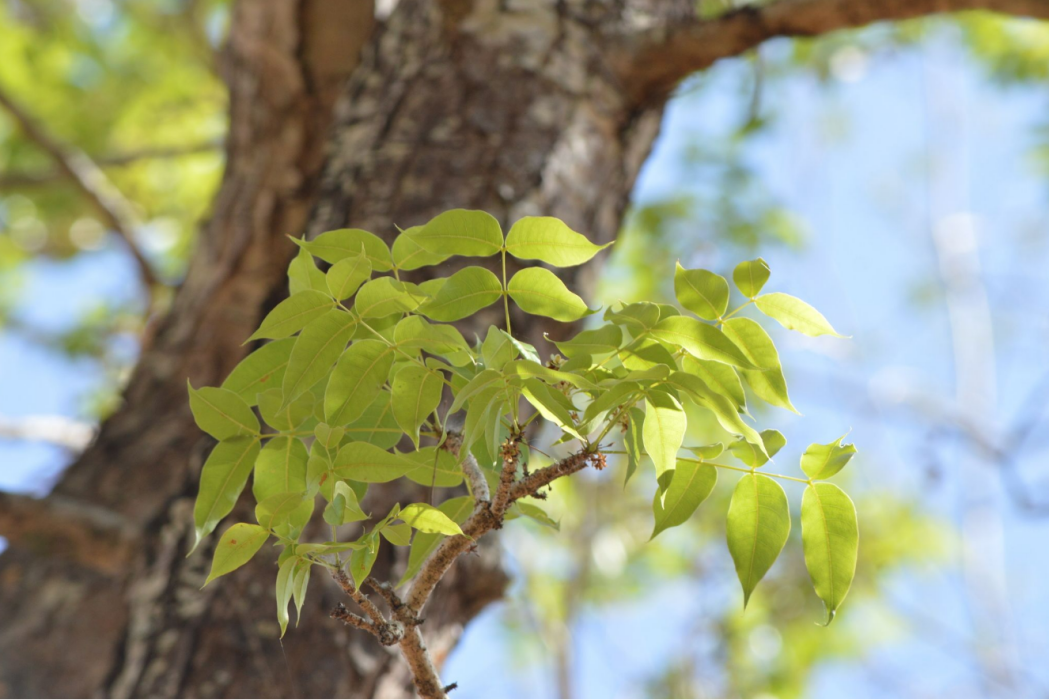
<point>513,107</point>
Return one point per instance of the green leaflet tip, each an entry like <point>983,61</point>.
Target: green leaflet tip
<point>831,612</point>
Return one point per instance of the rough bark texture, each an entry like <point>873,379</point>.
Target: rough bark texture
<point>513,107</point>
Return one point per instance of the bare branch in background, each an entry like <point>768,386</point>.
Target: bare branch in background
<point>116,211</point>
<point>65,432</point>
<point>38,178</point>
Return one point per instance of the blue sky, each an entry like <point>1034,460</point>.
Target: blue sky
<point>848,159</point>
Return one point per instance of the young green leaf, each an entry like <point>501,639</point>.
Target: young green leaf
<point>222,479</point>
<point>707,451</point>
<point>301,580</point>
<point>362,560</point>
<point>540,396</point>
<point>399,535</point>
<point>287,417</point>
<point>752,455</point>
<point>497,350</point>
<point>385,296</point>
<point>416,393</point>
<point>333,246</point>
<point>757,528</point>
<point>315,351</point>
<point>830,537</point>
<point>259,371</point>
<point>465,293</point>
<point>633,442</point>
<point>347,275</point>
<point>220,413</point>
<point>767,382</point>
<point>664,429</point>
<point>303,273</point>
<point>350,510</point>
<point>409,255</point>
<point>280,468</point>
<point>284,510</point>
<point>433,466</point>
<point>794,314</point>
<point>596,342</point>
<point>461,232</point>
<point>701,292</point>
<point>721,378</point>
<point>292,315</point>
<point>824,461</point>
<point>750,276</point>
<point>700,340</point>
<point>356,381</point>
<point>458,510</point>
<point>285,589</point>
<point>415,333</point>
<point>532,512</point>
<point>542,293</point>
<point>236,548</point>
<point>549,239</point>
<point>689,487</point>
<point>377,424</point>
<point>367,463</point>
<point>425,518</point>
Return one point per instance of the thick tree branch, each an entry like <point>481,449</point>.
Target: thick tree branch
<point>116,211</point>
<point>653,62</point>
<point>37,178</point>
<point>61,527</point>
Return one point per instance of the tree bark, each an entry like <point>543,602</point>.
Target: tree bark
<point>516,108</point>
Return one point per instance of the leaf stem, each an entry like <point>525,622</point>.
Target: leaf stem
<point>506,295</point>
<point>744,470</point>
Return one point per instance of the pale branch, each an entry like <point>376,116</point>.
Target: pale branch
<point>38,178</point>
<point>478,484</point>
<point>116,211</point>
<point>62,527</point>
<point>651,63</point>
<point>58,430</point>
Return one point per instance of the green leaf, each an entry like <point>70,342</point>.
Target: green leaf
<point>701,292</point>
<point>399,535</point>
<point>541,397</point>
<point>646,353</point>
<point>638,318</point>
<point>824,461</point>
<point>707,451</point>
<point>767,382</point>
<point>292,314</point>
<point>236,548</point>
<point>347,275</point>
<point>690,486</point>
<point>757,528</point>
<point>220,413</point>
<point>259,371</point>
<point>752,455</point>
<point>434,466</point>
<point>222,479</point>
<point>416,392</point>
<point>596,342</point>
<point>664,429</point>
<point>356,381</point>
<point>719,377</point>
<point>285,590</point>
<point>415,333</point>
<point>377,424</point>
<point>751,276</point>
<point>458,510</point>
<point>533,512</point>
<point>721,407</point>
<point>830,536</point>
<point>486,379</point>
<point>549,239</point>
<point>633,442</point>
<point>700,340</point>
<point>280,468</point>
<point>287,417</point>
<point>315,351</point>
<point>461,232</point>
<point>300,583</point>
<point>610,399</point>
<point>284,509</point>
<point>528,368</point>
<point>361,461</point>
<point>794,314</point>
<point>497,350</point>
<point>303,273</point>
<point>333,246</point>
<point>384,296</point>
<point>350,510</point>
<point>465,293</point>
<point>425,518</point>
<point>362,560</point>
<point>542,293</point>
<point>409,255</point>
